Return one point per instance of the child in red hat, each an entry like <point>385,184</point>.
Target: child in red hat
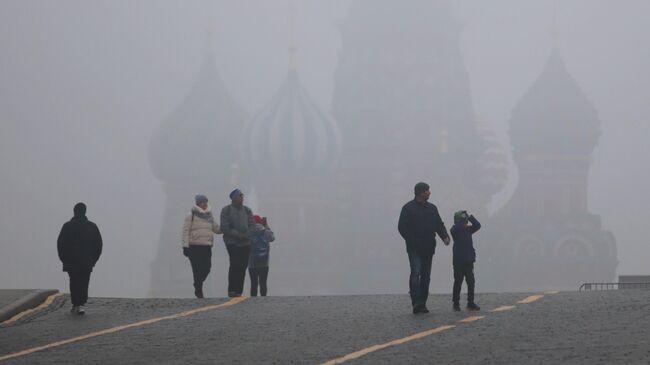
<point>258,262</point>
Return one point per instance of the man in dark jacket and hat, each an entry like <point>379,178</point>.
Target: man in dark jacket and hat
<point>419,221</point>
<point>79,246</point>
<point>465,225</point>
<point>237,225</point>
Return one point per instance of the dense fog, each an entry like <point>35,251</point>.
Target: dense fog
<point>90,93</point>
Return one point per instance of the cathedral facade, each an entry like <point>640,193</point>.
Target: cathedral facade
<point>332,184</point>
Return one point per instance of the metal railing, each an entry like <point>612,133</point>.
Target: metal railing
<point>613,286</point>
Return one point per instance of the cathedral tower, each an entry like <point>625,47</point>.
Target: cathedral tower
<point>402,100</point>
<point>290,149</point>
<point>545,237</point>
<point>194,151</point>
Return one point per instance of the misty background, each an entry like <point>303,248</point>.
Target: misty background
<point>84,85</point>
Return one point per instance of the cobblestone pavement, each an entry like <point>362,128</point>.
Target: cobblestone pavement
<point>8,296</point>
<point>568,327</point>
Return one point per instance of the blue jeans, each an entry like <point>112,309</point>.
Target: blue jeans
<point>420,276</point>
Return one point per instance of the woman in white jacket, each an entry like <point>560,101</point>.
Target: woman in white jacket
<point>198,230</point>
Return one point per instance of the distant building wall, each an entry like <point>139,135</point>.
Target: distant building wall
<point>635,281</point>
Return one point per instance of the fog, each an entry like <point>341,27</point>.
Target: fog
<point>90,92</point>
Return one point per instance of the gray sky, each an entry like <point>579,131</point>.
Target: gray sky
<point>83,85</point>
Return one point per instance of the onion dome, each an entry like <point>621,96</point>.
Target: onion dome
<point>198,141</point>
<point>291,135</point>
<point>554,115</point>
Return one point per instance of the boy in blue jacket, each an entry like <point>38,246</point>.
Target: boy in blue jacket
<point>464,257</point>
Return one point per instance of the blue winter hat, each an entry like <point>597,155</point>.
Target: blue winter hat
<point>200,198</point>
<point>235,193</point>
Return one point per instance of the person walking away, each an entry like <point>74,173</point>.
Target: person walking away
<point>199,229</point>
<point>79,246</point>
<point>258,261</point>
<point>237,225</point>
<point>419,221</point>
<point>464,257</point>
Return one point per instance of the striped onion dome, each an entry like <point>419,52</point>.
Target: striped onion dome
<point>291,135</point>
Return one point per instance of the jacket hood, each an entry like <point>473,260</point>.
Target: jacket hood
<point>79,210</point>
<point>198,210</point>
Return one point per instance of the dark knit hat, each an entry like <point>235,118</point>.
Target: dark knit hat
<point>235,193</point>
<point>420,188</point>
<point>200,198</point>
<point>79,209</point>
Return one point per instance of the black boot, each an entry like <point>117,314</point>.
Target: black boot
<point>198,291</point>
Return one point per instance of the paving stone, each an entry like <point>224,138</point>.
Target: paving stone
<point>8,296</point>
<point>583,328</point>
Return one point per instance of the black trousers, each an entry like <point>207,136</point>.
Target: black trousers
<point>237,270</point>
<point>258,276</point>
<point>201,260</point>
<point>79,281</point>
<point>464,271</point>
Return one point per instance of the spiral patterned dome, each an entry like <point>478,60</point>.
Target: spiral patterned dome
<point>291,135</point>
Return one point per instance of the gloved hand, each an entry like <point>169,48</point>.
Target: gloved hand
<point>186,251</point>
<point>446,241</point>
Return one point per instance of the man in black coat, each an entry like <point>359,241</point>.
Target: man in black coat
<point>418,224</point>
<point>79,246</point>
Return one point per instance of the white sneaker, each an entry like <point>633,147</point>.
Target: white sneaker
<point>81,310</point>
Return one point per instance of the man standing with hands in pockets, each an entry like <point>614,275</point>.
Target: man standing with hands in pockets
<point>419,221</point>
<point>79,246</point>
<point>237,225</point>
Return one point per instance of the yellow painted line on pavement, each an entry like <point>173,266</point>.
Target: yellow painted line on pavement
<point>367,350</point>
<point>46,303</point>
<point>107,331</point>
<point>471,319</point>
<point>503,308</point>
<point>530,299</point>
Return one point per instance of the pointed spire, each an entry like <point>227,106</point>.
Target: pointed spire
<point>208,40</point>
<point>555,39</point>
<point>208,49</point>
<point>293,49</point>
